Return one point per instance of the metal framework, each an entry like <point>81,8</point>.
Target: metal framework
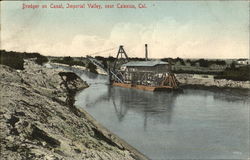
<point>152,74</point>
<point>120,54</point>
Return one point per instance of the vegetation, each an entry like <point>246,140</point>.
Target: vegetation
<point>238,74</point>
<point>197,72</point>
<point>201,62</point>
<point>136,59</point>
<point>103,60</point>
<point>69,61</point>
<point>92,68</point>
<point>207,63</point>
<point>79,62</point>
<point>111,59</point>
<point>16,59</point>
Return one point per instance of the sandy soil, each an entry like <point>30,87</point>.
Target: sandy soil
<point>38,120</point>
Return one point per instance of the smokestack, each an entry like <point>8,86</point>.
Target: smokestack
<point>146,52</point>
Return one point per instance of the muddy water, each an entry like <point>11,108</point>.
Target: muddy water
<point>196,124</point>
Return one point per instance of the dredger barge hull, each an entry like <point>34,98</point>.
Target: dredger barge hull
<point>145,88</point>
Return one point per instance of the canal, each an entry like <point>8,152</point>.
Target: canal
<point>196,124</point>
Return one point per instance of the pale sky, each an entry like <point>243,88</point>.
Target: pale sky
<point>193,29</point>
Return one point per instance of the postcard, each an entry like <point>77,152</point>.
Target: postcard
<point>124,79</point>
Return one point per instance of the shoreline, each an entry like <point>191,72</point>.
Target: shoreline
<point>108,134</point>
<point>39,121</point>
<point>237,91</point>
<point>198,81</point>
<point>189,80</point>
<point>113,137</point>
<point>99,71</point>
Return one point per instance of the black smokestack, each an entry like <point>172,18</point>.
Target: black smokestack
<point>146,52</point>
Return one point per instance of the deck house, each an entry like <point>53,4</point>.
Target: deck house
<point>144,72</point>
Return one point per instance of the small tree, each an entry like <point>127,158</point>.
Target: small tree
<point>233,65</point>
<point>92,68</point>
<point>111,59</point>
<point>203,63</point>
<point>220,62</point>
<point>68,60</point>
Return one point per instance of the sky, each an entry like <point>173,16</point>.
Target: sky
<point>186,29</point>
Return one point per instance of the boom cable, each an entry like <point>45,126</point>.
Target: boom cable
<point>98,52</point>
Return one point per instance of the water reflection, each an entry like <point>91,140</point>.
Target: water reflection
<point>90,75</point>
<point>158,106</point>
<point>150,104</point>
<point>197,124</point>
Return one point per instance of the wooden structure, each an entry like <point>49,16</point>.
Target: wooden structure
<point>145,75</point>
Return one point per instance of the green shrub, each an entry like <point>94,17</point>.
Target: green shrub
<point>12,59</point>
<point>69,61</point>
<point>203,62</point>
<point>237,74</point>
<point>16,59</point>
<point>92,68</point>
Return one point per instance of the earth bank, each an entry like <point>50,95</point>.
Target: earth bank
<point>199,80</point>
<point>39,121</point>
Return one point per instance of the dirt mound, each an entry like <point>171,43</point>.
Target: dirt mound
<point>37,121</point>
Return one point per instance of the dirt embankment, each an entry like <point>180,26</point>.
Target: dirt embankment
<point>198,80</point>
<point>38,120</point>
